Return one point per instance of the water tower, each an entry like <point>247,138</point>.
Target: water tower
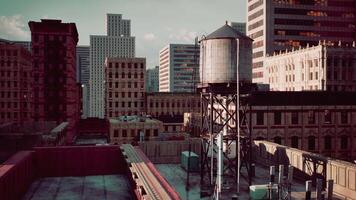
<point>225,63</point>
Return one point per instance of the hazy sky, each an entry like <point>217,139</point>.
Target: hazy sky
<point>154,23</point>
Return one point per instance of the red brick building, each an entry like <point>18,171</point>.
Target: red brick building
<point>15,83</point>
<point>56,93</point>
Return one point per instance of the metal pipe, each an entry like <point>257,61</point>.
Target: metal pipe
<point>272,173</point>
<point>308,185</point>
<point>211,139</point>
<point>319,185</point>
<point>238,120</point>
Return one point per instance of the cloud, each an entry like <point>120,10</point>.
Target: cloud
<point>13,28</point>
<point>149,37</point>
<point>183,35</point>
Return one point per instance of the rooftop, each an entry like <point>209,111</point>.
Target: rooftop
<point>226,31</point>
<point>133,119</point>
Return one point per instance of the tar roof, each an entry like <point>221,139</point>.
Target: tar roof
<point>226,31</point>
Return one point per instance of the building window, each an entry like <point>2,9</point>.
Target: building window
<point>295,142</point>
<point>327,142</point>
<point>344,117</point>
<point>277,140</point>
<point>155,132</point>
<point>295,118</point>
<point>311,117</point>
<point>343,142</point>
<point>116,133</point>
<point>327,117</point>
<point>311,142</point>
<point>260,118</point>
<point>124,133</point>
<point>277,118</point>
<point>148,133</point>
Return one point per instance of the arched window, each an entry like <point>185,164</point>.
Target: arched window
<point>277,140</point>
<point>295,141</point>
<point>327,142</point>
<point>344,142</point>
<point>311,142</point>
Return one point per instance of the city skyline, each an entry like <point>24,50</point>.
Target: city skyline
<point>175,21</point>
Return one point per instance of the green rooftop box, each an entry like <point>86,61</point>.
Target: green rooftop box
<point>194,161</point>
<point>259,192</point>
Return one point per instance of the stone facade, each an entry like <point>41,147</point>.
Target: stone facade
<point>126,129</point>
<point>321,67</point>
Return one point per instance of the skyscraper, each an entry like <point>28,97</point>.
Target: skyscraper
<point>56,92</point>
<point>278,25</point>
<point>83,76</point>
<point>152,79</point>
<point>117,43</point>
<point>179,68</point>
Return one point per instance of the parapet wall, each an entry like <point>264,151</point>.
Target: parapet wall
<point>343,173</point>
<point>167,152</point>
<point>18,172</point>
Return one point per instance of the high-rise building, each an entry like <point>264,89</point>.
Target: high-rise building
<point>83,76</point>
<point>124,86</point>
<point>277,25</point>
<point>320,67</point>
<point>239,26</point>
<point>179,68</point>
<point>16,95</point>
<point>152,79</point>
<point>56,92</point>
<point>117,43</point>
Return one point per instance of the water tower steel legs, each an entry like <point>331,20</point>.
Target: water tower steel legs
<point>218,114</point>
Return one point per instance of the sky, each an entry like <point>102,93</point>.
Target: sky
<point>154,23</point>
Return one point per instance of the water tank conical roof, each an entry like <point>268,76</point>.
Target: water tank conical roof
<point>226,31</point>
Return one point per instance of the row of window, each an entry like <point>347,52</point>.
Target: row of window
<point>12,115</point>
<point>8,52</point>
<point>123,75</point>
<point>123,94</point>
<point>124,103</point>
<point>173,104</point>
<point>135,133</point>
<point>128,65</point>
<point>295,117</point>
<point>328,142</point>
<point>122,85</point>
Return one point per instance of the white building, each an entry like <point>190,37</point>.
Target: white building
<point>179,68</point>
<point>117,43</point>
<point>152,79</point>
<point>83,76</point>
<point>239,26</point>
<point>321,67</point>
<point>276,25</point>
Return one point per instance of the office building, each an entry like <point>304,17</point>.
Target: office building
<point>56,92</point>
<point>239,26</point>
<point>16,94</point>
<point>124,86</point>
<point>321,67</point>
<point>117,43</point>
<point>83,77</point>
<point>179,68</point>
<point>152,79</point>
<point>278,25</point>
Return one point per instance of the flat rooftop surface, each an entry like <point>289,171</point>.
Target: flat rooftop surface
<point>176,176</point>
<point>106,187</point>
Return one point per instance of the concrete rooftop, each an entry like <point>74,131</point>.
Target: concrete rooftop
<point>106,187</point>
